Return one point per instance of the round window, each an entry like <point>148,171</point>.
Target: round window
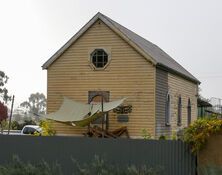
<point>99,58</point>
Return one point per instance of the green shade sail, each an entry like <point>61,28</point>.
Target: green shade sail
<point>80,114</point>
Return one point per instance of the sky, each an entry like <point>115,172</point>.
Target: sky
<point>31,31</point>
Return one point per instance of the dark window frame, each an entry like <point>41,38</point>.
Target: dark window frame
<point>106,96</point>
<point>168,110</point>
<point>99,58</point>
<point>179,112</point>
<point>189,111</point>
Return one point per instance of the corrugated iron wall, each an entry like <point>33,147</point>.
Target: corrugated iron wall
<point>172,157</point>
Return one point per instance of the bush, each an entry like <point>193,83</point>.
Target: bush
<point>210,170</point>
<point>47,129</point>
<point>162,137</point>
<point>17,167</point>
<point>19,126</point>
<point>146,134</point>
<point>15,125</point>
<point>101,167</point>
<point>198,133</point>
<point>97,166</point>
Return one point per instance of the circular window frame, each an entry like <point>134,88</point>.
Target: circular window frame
<point>91,59</point>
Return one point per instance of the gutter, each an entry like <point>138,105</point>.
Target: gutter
<point>165,68</point>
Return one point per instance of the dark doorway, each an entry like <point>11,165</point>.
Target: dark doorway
<point>95,97</point>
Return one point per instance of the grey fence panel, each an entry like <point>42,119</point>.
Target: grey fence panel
<point>174,157</point>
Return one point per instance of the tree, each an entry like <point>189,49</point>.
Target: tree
<point>3,90</point>
<point>3,114</point>
<point>18,115</point>
<point>36,104</point>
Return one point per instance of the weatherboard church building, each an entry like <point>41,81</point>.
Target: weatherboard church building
<point>106,58</point>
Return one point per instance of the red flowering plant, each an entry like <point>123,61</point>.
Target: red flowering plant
<point>3,113</point>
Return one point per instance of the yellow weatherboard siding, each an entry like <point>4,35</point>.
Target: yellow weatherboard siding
<point>186,89</point>
<point>128,75</point>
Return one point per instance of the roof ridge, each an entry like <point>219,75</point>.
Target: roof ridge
<point>148,49</point>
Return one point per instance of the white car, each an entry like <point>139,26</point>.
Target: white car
<point>31,129</point>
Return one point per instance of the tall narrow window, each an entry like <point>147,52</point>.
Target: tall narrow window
<point>188,113</point>
<point>179,114</point>
<point>168,112</point>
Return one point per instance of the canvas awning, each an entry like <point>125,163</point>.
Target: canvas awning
<point>81,114</point>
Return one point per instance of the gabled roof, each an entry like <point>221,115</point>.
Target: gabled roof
<point>149,50</point>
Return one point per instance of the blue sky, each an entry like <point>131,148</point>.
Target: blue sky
<point>33,30</point>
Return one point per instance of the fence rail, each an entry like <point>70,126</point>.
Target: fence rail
<point>173,156</point>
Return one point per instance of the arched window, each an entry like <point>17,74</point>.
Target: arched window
<point>179,114</point>
<point>168,111</point>
<point>189,113</point>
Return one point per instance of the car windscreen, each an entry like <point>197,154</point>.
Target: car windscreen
<point>29,130</point>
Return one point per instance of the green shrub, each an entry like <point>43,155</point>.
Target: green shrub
<point>18,126</point>
<point>146,134</point>
<point>99,166</point>
<point>210,170</point>
<point>142,170</point>
<point>198,132</point>
<point>47,129</point>
<point>174,135</point>
<point>17,167</point>
<point>162,137</point>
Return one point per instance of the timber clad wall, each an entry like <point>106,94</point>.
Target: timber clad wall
<point>186,89</point>
<point>176,87</point>
<point>127,75</point>
<point>161,96</point>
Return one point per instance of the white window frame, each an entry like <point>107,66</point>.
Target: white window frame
<point>92,50</point>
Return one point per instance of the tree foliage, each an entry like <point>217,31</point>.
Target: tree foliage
<point>36,104</point>
<point>47,129</point>
<point>3,113</point>
<point>198,133</point>
<point>18,126</point>
<point>3,90</point>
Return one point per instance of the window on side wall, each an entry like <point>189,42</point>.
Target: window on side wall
<point>179,114</point>
<point>189,113</point>
<point>168,111</point>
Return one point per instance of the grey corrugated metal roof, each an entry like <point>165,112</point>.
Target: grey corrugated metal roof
<point>159,57</point>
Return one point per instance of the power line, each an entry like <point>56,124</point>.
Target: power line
<point>210,76</point>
